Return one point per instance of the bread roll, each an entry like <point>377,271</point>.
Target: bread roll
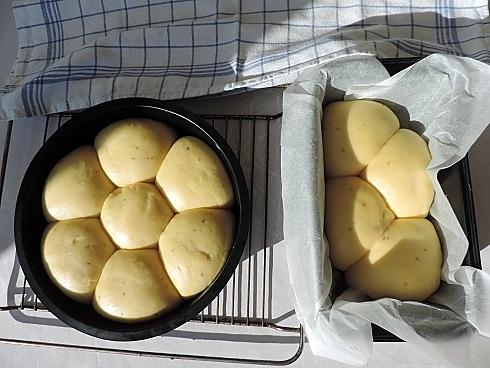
<point>399,172</point>
<point>194,248</point>
<point>355,218</point>
<point>134,287</point>
<point>131,150</point>
<point>76,187</point>
<point>193,176</point>
<point>134,216</point>
<point>353,134</point>
<point>404,264</point>
<point>74,253</point>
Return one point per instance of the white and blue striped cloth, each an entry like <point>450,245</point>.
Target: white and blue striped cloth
<point>77,53</point>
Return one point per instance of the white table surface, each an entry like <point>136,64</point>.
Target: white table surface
<point>190,339</point>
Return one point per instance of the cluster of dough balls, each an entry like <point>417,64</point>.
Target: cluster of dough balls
<point>378,194</point>
<point>138,222</point>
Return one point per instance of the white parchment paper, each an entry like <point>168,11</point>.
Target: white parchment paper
<point>447,100</point>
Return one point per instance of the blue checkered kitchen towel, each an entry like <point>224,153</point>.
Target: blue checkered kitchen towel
<point>76,53</point>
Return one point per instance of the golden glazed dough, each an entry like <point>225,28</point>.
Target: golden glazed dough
<point>74,253</point>
<point>134,287</point>
<point>377,195</point>
<point>135,216</point>
<point>194,248</point>
<point>131,150</point>
<point>405,263</point>
<point>110,258</point>
<point>399,172</point>
<point>355,218</point>
<point>76,186</point>
<point>353,134</point>
<point>193,176</point>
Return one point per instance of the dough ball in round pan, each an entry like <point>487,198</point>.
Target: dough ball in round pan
<point>405,263</point>
<point>134,287</point>
<point>193,176</point>
<point>135,216</point>
<point>76,186</point>
<point>131,150</point>
<point>353,134</point>
<point>74,253</point>
<point>355,218</point>
<point>194,248</point>
<point>399,172</point>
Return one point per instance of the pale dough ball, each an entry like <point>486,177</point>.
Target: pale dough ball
<point>194,248</point>
<point>404,264</point>
<point>134,287</point>
<point>76,187</point>
<point>135,216</point>
<point>353,134</point>
<point>193,176</point>
<point>399,172</point>
<point>131,150</point>
<point>74,253</point>
<point>355,218</point>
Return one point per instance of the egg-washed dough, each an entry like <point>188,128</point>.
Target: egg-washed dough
<point>194,248</point>
<point>404,264</point>
<point>134,216</point>
<point>355,218</point>
<point>131,150</point>
<point>399,172</point>
<point>134,287</point>
<point>353,134</point>
<point>76,186</point>
<point>74,253</point>
<point>193,176</point>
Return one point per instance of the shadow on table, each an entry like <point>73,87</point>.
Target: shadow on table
<point>28,298</point>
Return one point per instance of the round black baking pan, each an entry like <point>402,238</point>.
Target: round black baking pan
<point>29,221</point>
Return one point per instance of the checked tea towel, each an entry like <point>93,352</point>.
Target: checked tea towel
<point>76,53</point>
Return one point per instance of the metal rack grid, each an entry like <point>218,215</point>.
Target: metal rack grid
<point>221,310</point>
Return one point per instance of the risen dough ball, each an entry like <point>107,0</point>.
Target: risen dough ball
<point>74,253</point>
<point>193,176</point>
<point>131,150</point>
<point>135,216</point>
<point>399,172</point>
<point>404,264</point>
<point>353,133</point>
<point>134,287</point>
<point>76,186</point>
<point>355,218</point>
<point>194,247</point>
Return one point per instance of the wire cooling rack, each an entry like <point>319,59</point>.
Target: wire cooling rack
<point>248,297</point>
